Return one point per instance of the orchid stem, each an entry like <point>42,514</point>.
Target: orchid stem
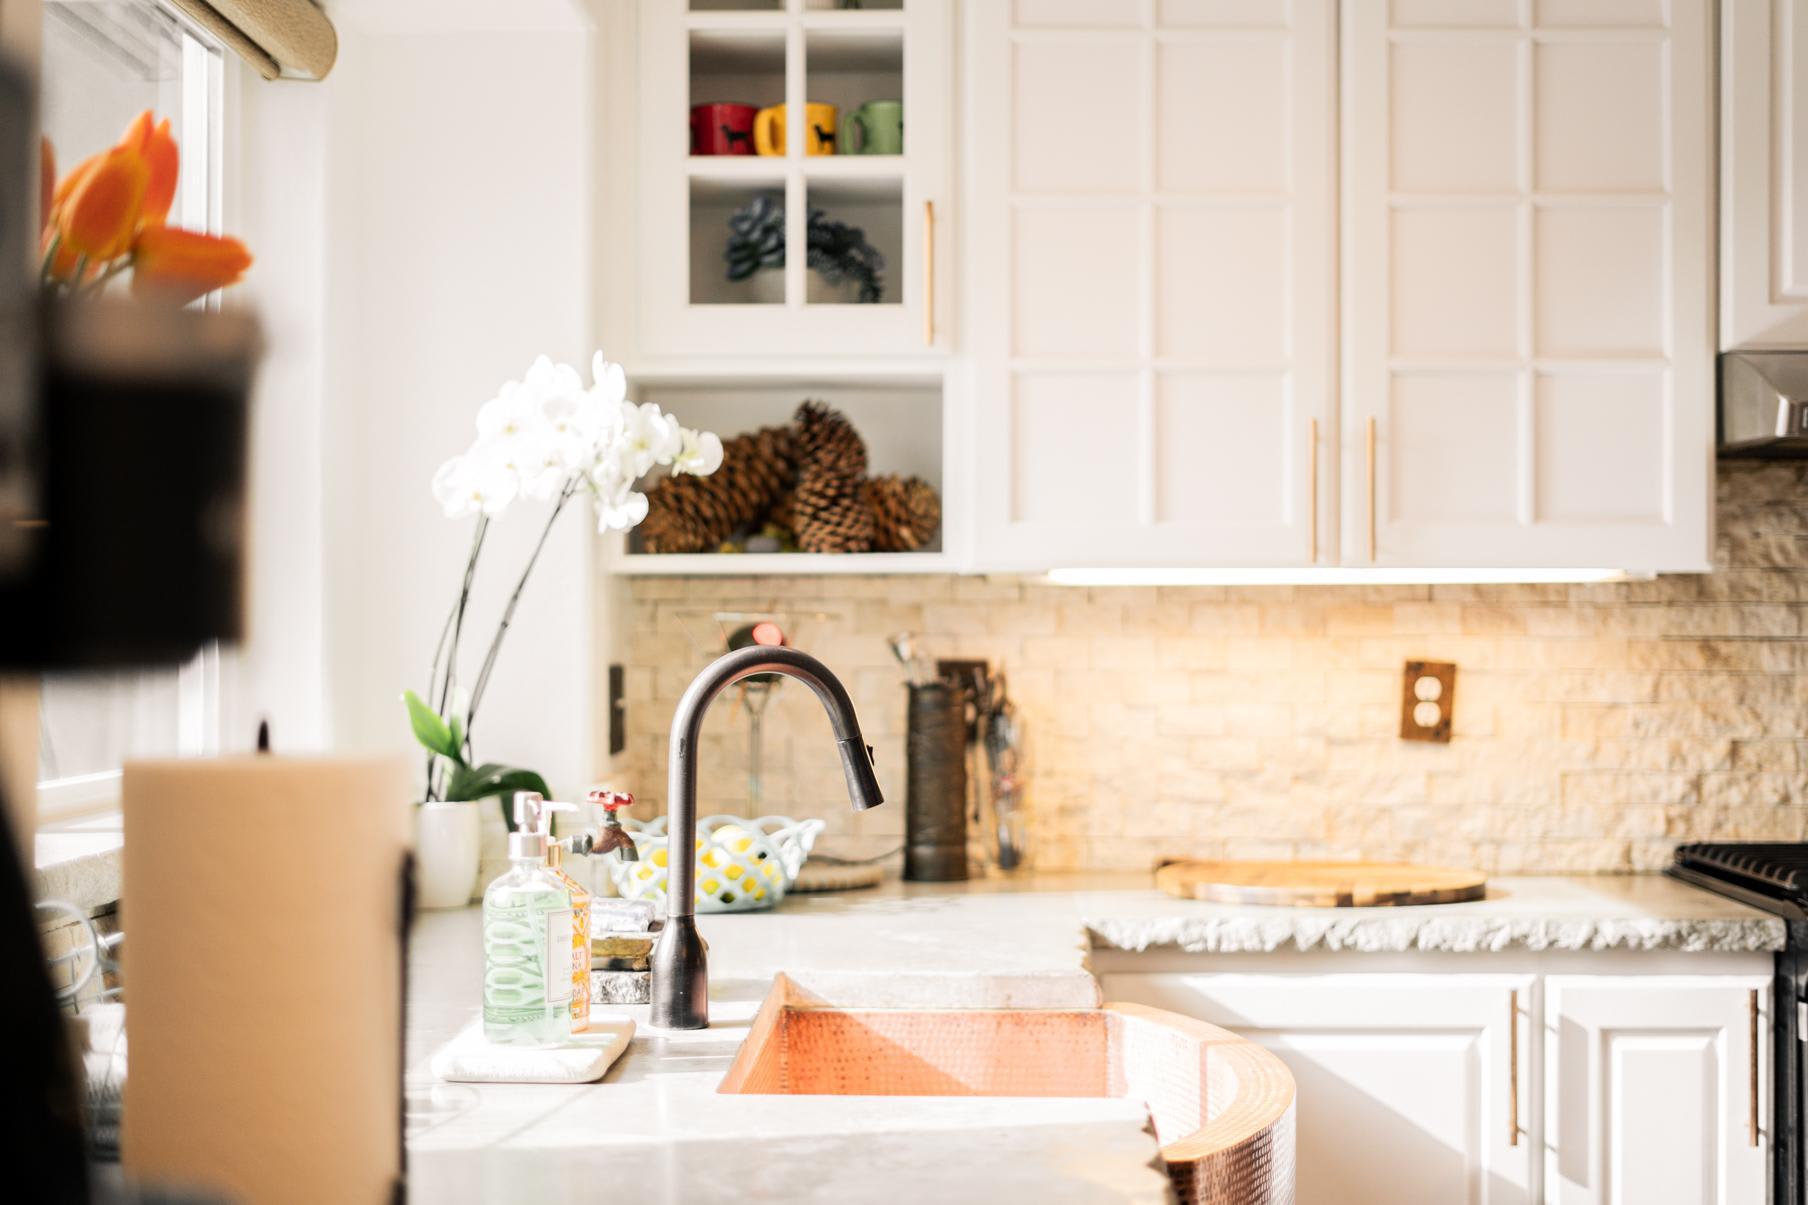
<point>508,612</point>
<point>456,622</point>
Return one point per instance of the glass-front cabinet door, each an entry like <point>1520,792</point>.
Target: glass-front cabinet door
<point>793,161</point>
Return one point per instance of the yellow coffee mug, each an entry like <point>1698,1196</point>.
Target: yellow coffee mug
<point>769,129</point>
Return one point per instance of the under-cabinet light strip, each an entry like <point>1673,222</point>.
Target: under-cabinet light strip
<point>1364,575</point>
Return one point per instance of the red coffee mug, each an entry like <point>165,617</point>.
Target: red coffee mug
<point>722,129</point>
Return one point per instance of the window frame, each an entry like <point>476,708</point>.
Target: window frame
<point>200,204</point>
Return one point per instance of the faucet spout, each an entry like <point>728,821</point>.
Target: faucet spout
<point>680,989</point>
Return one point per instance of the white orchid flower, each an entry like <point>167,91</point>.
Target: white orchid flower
<point>479,482</point>
<point>575,426</point>
<point>540,435</point>
<point>542,479</point>
<point>548,378</point>
<point>611,382</point>
<point>620,513</point>
<point>648,438</point>
<point>699,453</point>
<point>512,412</point>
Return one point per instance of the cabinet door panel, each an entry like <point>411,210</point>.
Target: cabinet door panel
<point>1150,198</point>
<point>1764,174</point>
<point>1404,1081</point>
<point>1652,1088</point>
<point>1526,291</point>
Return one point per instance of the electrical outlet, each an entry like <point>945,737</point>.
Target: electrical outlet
<point>1427,701</point>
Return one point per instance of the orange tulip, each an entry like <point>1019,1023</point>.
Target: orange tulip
<point>138,132</point>
<point>161,159</point>
<point>180,265</point>
<point>102,211</point>
<point>46,182</point>
<point>151,139</point>
<point>68,184</point>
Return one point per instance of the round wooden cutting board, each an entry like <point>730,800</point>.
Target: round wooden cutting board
<point>1320,884</point>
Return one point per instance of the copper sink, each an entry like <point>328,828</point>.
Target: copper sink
<point>1222,1107</point>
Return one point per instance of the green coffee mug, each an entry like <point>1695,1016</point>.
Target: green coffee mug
<point>880,128</point>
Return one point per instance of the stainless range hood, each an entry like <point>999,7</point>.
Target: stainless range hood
<point>1764,405</point>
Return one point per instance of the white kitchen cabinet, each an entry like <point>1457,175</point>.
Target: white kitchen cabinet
<point>1516,370</point>
<point>792,53</point>
<point>1527,299</point>
<point>1148,280</point>
<point>1511,1076</point>
<point>1655,1089</point>
<point>1764,174</point>
<point>1411,1088</point>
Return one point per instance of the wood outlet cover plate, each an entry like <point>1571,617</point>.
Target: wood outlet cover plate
<point>1426,686</point>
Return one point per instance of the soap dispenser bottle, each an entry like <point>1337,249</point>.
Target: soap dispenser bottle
<point>580,931</point>
<point>527,939</point>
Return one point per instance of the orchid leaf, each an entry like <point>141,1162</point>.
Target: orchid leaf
<point>429,729</point>
<point>492,778</point>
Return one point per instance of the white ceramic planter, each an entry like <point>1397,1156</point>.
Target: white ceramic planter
<point>492,844</point>
<point>447,843</point>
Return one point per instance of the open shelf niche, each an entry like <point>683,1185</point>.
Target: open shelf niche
<point>900,420</point>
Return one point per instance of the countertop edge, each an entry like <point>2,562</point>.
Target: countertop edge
<point>1464,935</point>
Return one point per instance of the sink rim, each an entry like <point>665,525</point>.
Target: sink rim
<point>1245,1137</point>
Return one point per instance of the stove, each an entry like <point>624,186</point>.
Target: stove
<point>1772,876</point>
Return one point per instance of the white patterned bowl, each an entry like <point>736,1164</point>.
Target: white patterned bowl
<point>742,865</point>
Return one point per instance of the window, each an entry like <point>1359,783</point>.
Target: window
<point>104,61</point>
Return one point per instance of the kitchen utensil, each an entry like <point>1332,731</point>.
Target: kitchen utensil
<point>1004,759</point>
<point>769,129</point>
<point>935,785</point>
<point>874,128</point>
<point>1308,884</point>
<point>742,865</point>
<point>906,647</point>
<point>722,129</point>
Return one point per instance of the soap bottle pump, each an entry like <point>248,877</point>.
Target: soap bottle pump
<point>527,939</point>
<point>580,928</point>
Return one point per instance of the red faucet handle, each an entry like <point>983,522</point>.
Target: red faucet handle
<point>611,801</point>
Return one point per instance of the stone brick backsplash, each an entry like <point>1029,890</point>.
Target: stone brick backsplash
<point>1596,726</point>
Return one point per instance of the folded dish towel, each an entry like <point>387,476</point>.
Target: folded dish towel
<point>469,1058</point>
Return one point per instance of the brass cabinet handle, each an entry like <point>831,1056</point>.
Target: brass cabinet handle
<point>1371,459</point>
<point>929,273</point>
<point>1754,1067</point>
<point>1312,478</point>
<point>1512,1045</point>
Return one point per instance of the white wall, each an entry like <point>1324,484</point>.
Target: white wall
<point>276,201</point>
<point>422,222</point>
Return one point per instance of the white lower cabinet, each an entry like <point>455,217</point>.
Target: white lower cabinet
<point>1504,1088</point>
<point>1656,1089</point>
<point>1406,1082</point>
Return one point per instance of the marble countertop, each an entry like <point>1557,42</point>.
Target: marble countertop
<point>656,1121</point>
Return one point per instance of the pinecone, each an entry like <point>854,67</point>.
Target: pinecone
<point>906,513</point>
<point>826,440</point>
<point>784,512</point>
<point>696,514</point>
<point>831,513</point>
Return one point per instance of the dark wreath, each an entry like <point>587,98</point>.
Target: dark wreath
<point>839,253</point>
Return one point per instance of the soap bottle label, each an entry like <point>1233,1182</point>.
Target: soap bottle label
<point>524,980</point>
<point>558,955</point>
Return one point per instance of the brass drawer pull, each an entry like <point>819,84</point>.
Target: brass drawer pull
<point>1512,1046</point>
<point>929,273</point>
<point>1371,461</point>
<point>1312,478</point>
<point>1754,1067</point>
